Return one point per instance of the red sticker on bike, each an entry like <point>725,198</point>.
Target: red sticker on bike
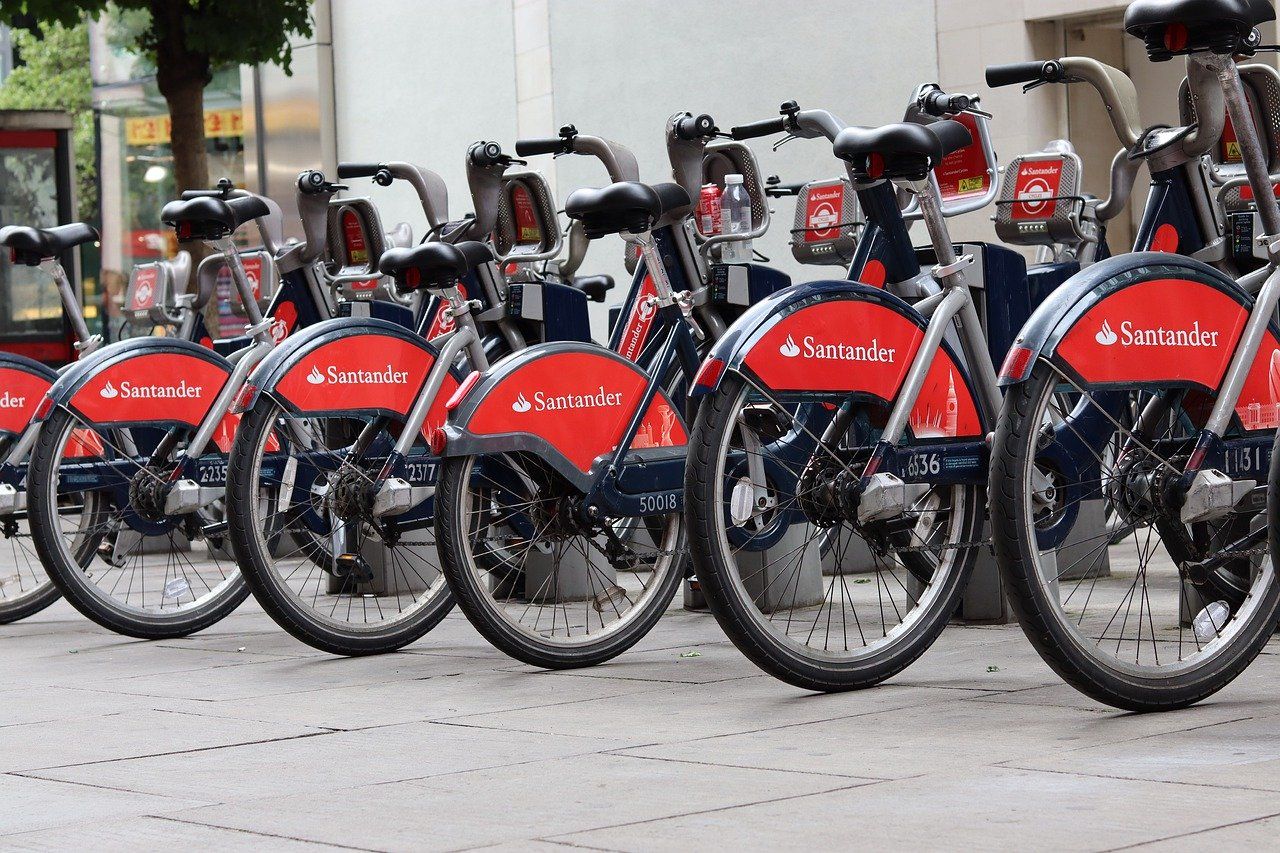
<point>965,173</point>
<point>143,291</point>
<point>945,408</point>
<point>528,228</point>
<point>840,345</point>
<point>822,211</point>
<point>283,321</point>
<point>443,323</point>
<point>353,236</point>
<point>21,395</point>
<point>580,403</point>
<point>361,372</point>
<point>1169,330</point>
<point>156,387</point>
<point>639,321</point>
<point>1036,188</point>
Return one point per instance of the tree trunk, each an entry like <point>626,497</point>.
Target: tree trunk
<point>186,115</point>
<point>181,75</point>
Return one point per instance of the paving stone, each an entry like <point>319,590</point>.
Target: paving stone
<point>509,804</point>
<point>978,809</point>
<point>29,804</point>
<point>326,762</point>
<point>150,833</point>
<point>127,734</point>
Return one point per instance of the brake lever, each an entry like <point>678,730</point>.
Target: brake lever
<point>784,140</point>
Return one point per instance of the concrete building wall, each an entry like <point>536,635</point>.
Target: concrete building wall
<point>419,80</point>
<point>423,78</point>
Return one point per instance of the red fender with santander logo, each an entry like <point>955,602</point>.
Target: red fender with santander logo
<point>143,380</point>
<point>1150,318</point>
<point>846,337</point>
<point>23,384</point>
<point>568,402</point>
<point>346,365</point>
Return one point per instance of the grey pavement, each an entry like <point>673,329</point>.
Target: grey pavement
<point>240,737</point>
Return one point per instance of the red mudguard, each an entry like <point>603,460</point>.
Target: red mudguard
<point>1157,319</point>
<point>569,401</point>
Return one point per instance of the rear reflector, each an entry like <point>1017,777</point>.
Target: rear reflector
<point>709,373</point>
<point>1016,364</point>
<point>438,442</point>
<point>43,410</point>
<point>461,393</point>
<point>244,399</point>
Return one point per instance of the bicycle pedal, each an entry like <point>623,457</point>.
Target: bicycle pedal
<point>352,566</point>
<point>215,529</point>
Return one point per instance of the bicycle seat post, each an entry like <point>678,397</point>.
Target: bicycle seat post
<point>258,327</point>
<point>85,341</point>
<point>950,269</point>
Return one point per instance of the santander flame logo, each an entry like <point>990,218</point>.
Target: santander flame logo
<point>315,377</point>
<point>1106,336</point>
<point>521,404</point>
<point>789,348</point>
<point>109,391</point>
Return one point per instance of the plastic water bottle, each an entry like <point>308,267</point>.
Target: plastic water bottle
<point>1210,621</point>
<point>735,218</point>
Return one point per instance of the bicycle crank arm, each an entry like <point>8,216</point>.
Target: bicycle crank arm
<point>887,496</point>
<point>1213,495</point>
<point>397,496</point>
<point>188,496</point>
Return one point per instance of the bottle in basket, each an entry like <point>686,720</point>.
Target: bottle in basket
<point>735,214</point>
<point>709,210</point>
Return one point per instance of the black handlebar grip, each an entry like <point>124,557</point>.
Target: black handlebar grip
<point>533,147</point>
<point>695,127</point>
<point>768,127</point>
<point>486,154</point>
<point>1015,73</point>
<point>311,182</point>
<point>358,170</point>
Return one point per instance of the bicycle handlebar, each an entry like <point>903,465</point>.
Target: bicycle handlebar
<point>690,128</point>
<point>546,145</point>
<point>487,154</point>
<point>358,170</point>
<point>755,129</point>
<point>1013,74</point>
<point>939,104</point>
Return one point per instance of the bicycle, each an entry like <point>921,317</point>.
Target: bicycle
<point>838,462</point>
<point>364,397</point>
<point>28,590</point>
<point>559,498</point>
<point>142,551</point>
<point>1170,361</point>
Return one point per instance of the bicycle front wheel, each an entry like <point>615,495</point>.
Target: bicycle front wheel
<point>536,578</point>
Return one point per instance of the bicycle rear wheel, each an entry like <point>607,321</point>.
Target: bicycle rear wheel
<point>803,588</point>
<point>99,527</point>
<point>1146,614</point>
<point>319,561</point>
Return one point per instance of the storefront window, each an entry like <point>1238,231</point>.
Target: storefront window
<point>135,158</point>
<point>29,303</point>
